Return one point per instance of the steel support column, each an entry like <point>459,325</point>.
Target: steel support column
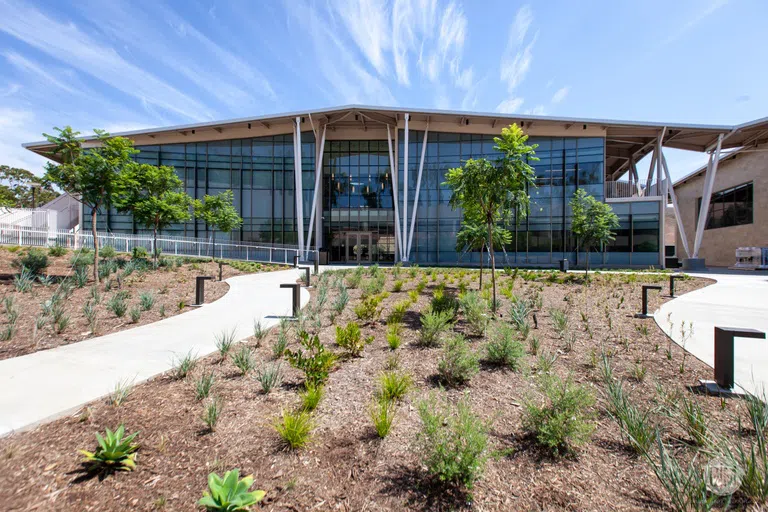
<point>418,189</point>
<point>404,238</point>
<point>709,183</point>
<point>678,217</point>
<point>393,170</point>
<point>299,188</point>
<point>318,178</point>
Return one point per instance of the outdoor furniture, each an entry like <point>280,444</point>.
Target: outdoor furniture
<point>200,289</point>
<point>296,306</point>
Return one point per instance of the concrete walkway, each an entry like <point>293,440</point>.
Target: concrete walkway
<point>45,385</point>
<point>736,300</point>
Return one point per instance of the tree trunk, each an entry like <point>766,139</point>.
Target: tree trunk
<point>586,273</point>
<point>213,247</point>
<point>154,244</point>
<point>95,246</point>
<point>493,263</point>
<point>481,266</point>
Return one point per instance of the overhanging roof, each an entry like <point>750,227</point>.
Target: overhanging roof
<point>624,139</point>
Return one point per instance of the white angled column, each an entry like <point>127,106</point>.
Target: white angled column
<point>318,178</point>
<point>393,171</point>
<point>709,183</point>
<point>298,192</point>
<point>403,250</point>
<point>418,189</point>
<point>678,217</point>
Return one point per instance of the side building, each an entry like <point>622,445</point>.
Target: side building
<point>371,181</point>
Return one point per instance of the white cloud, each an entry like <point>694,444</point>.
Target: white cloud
<point>10,90</point>
<point>67,43</point>
<point>510,105</point>
<point>367,22</point>
<point>15,130</point>
<point>560,94</point>
<point>520,26</point>
<point>26,65</point>
<point>515,67</point>
<point>698,17</point>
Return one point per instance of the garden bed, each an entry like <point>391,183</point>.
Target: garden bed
<point>148,295</point>
<point>346,466</point>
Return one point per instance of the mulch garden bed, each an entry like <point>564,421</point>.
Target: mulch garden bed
<point>173,288</point>
<point>346,466</point>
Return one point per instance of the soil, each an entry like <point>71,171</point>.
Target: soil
<point>173,288</point>
<point>346,467</point>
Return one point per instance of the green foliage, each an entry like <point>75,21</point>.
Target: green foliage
<point>694,421</point>
<point>433,325</point>
<point>559,321</point>
<point>444,302</point>
<point>117,305</point>
<point>16,188</point>
<point>135,314</point>
<point>230,494</point>
<point>203,385</point>
<point>24,280</point>
<point>312,358</point>
<point>564,420</point>
<point>139,252</point>
<point>218,213</point>
<point>504,349</point>
<point>393,335</point>
<point>394,385</point>
<point>636,425</point>
<point>116,451</point>
<point>382,413</point>
<point>349,339</point>
<point>757,410</point>
<point>224,341</point>
<point>373,286</point>
<point>475,310</point>
<point>751,463</point>
<point>397,286</point>
<point>243,360</point>
<point>453,442</point>
<point>183,365</point>
<point>592,221</point>
<point>518,313</point>
<point>212,413</point>
<point>259,332</point>
<point>81,276</point>
<point>108,252</point>
<point>295,428</point>
<point>459,363</point>
<point>397,315</point>
<point>35,260</point>
<point>368,310</point>
<point>146,300</point>
<point>269,376</point>
<point>311,396</point>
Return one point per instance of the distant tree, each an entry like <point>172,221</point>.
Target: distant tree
<point>592,222</point>
<point>218,213</point>
<point>88,174</point>
<point>473,237</point>
<point>153,195</point>
<point>16,188</point>
<point>494,190</point>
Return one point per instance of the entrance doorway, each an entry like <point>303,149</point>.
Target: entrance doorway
<point>358,247</point>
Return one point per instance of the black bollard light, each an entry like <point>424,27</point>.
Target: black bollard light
<point>296,261</point>
<point>724,368</point>
<point>672,285</point>
<point>221,265</point>
<point>317,263</point>
<point>200,289</point>
<point>646,287</point>
<point>296,294</point>
<point>306,276</point>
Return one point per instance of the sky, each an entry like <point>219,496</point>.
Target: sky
<point>124,65</point>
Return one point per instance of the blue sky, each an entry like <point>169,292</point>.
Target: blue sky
<point>123,65</point>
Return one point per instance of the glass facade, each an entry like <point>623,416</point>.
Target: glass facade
<point>358,221</point>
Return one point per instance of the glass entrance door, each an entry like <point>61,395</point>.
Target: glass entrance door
<point>358,248</point>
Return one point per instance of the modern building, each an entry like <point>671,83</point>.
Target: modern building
<point>371,181</point>
<point>737,214</point>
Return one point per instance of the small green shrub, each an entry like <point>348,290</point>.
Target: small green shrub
<point>475,310</point>
<point>394,385</point>
<point>139,252</point>
<point>397,286</point>
<point>757,410</point>
<point>368,310</point>
<point>444,303</point>
<point>203,385</point>
<point>559,321</point>
<point>398,312</point>
<point>230,494</point>
<point>81,276</point>
<point>243,360</point>
<point>311,396</point>
<point>433,325</point>
<point>393,336</point>
<point>116,451</point>
<point>56,251</point>
<point>694,421</point>
<point>269,376</point>
<point>453,443</point>
<point>295,428</point>
<point>636,425</point>
<point>35,260</point>
<point>459,363</point>
<point>564,420</point>
<point>212,413</point>
<point>117,305</point>
<point>146,300</point>
<point>183,365</point>
<point>518,313</point>
<point>135,314</point>
<point>107,252</point>
<point>312,358</point>
<point>224,341</point>
<point>350,339</point>
<point>504,349</point>
<point>382,413</point>
<point>24,280</point>
<point>259,332</point>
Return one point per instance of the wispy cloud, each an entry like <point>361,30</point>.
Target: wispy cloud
<point>15,130</point>
<point>517,58</point>
<point>560,94</point>
<point>704,10</point>
<point>67,43</point>
<point>28,66</point>
<point>367,22</point>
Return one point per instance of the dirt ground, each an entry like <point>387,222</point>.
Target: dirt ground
<point>346,467</point>
<point>173,288</point>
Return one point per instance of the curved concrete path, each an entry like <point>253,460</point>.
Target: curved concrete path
<point>48,384</point>
<point>736,300</point>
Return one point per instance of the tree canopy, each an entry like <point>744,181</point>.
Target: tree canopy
<point>16,186</point>
<point>219,213</point>
<point>592,221</point>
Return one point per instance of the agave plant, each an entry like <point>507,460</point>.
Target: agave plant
<point>115,452</point>
<point>230,493</point>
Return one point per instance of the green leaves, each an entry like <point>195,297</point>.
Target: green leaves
<point>593,221</point>
<point>218,212</point>
<point>115,451</point>
<point>230,494</point>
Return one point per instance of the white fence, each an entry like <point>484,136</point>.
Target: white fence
<point>627,189</point>
<point>169,245</point>
<point>28,217</point>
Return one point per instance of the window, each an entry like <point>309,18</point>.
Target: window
<point>731,207</point>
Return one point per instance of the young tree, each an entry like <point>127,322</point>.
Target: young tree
<point>88,174</point>
<point>473,237</point>
<point>494,190</point>
<point>592,222</point>
<point>154,195</point>
<point>219,213</point>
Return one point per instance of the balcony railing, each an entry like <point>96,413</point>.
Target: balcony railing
<point>629,189</point>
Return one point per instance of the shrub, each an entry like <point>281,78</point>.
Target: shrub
<point>444,303</point>
<point>475,312</point>
<point>212,413</point>
<point>398,311</point>
<point>559,321</point>
<point>349,339</point>
<point>269,376</point>
<point>564,420</point>
<point>353,280</point>
<point>117,305</point>
<point>224,341</point>
<point>61,322</point>
<point>433,325</point>
<point>230,494</point>
<point>504,349</point>
<point>24,280</point>
<point>694,422</point>
<point>342,299</point>
<point>81,276</point>
<point>382,413</point>
<point>313,359</point>
<point>453,444</point>
<point>636,426</point>
<point>139,252</point>
<point>459,362</point>
<point>393,336</point>
<point>56,251</point>
<point>146,300</point>
<point>394,385</point>
<point>203,386</point>
<point>243,360</point>
<point>751,464</point>
<point>116,451</point>
<point>120,393</point>
<point>518,313</point>
<point>259,332</point>
<point>757,410</point>
<point>295,428</point>
<point>135,314</point>
<point>373,286</point>
<point>81,259</point>
<point>35,260</point>
<point>183,365</point>
<point>107,252</point>
<point>368,310</point>
<point>311,396</point>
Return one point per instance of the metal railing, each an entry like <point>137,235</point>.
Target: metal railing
<point>628,189</point>
<point>170,245</point>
